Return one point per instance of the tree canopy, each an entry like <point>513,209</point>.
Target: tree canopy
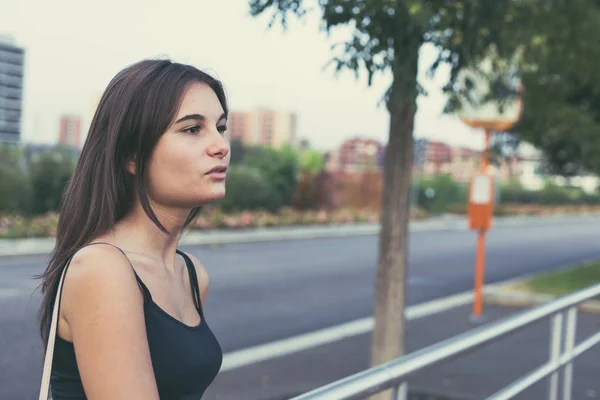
<point>562,97</point>
<point>562,40</point>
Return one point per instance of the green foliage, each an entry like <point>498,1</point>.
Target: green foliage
<point>279,168</point>
<point>309,191</point>
<point>311,161</point>
<point>551,194</point>
<point>237,150</point>
<point>248,188</point>
<point>33,182</point>
<point>264,178</point>
<point>503,147</point>
<point>562,98</point>
<point>442,194</point>
<point>559,67</point>
<point>439,192</point>
<point>14,186</point>
<point>560,283</point>
<point>49,174</point>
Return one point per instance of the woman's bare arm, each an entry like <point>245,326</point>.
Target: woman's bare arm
<point>104,311</point>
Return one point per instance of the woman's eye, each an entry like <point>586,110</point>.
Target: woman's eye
<point>222,128</point>
<point>192,130</point>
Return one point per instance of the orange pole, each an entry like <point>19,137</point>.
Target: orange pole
<point>479,274</point>
<point>480,252</point>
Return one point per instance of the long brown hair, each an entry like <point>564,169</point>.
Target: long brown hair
<point>136,108</point>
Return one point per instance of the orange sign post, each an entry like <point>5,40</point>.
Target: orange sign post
<point>489,115</point>
<point>480,212</point>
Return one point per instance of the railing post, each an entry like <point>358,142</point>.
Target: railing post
<point>569,345</point>
<point>395,392</point>
<point>402,392</point>
<point>555,347</point>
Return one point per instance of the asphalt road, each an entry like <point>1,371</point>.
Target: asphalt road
<point>267,291</point>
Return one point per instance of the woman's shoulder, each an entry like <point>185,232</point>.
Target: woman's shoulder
<point>99,261</point>
<point>99,270</point>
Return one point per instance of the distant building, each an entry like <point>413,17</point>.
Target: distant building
<point>437,158</point>
<point>464,162</point>
<point>240,127</point>
<point>356,155</point>
<point>331,161</point>
<point>532,173</point>
<point>11,90</point>
<point>70,131</point>
<point>359,155</point>
<point>264,127</point>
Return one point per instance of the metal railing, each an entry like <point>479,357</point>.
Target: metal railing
<point>392,375</point>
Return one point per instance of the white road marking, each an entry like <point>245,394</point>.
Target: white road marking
<point>279,348</point>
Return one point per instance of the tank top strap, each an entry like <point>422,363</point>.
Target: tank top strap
<point>193,281</point>
<point>143,287</point>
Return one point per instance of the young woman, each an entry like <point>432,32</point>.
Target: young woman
<point>131,323</point>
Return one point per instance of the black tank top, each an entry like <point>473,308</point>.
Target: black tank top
<point>185,359</point>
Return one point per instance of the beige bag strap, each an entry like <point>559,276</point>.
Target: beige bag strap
<point>45,386</point>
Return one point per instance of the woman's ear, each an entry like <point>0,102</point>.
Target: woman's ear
<point>131,167</point>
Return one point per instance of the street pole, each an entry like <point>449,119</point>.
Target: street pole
<point>480,252</point>
<point>486,114</point>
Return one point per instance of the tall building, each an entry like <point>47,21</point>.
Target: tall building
<point>285,129</point>
<point>70,131</point>
<point>240,126</point>
<point>11,90</point>
<point>357,155</point>
<point>264,127</point>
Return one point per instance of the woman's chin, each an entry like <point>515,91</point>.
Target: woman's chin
<point>215,195</point>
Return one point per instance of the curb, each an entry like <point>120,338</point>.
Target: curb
<point>506,296</point>
<point>43,246</point>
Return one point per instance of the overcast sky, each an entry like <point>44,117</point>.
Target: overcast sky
<point>74,47</point>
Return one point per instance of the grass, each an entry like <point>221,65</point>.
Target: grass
<point>565,281</point>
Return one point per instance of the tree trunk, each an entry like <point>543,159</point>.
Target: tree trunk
<point>388,334</point>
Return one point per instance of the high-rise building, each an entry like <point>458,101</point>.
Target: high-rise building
<point>264,127</point>
<point>11,90</point>
<point>70,131</point>
<point>240,126</point>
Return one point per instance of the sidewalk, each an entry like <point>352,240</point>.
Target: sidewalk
<point>43,246</point>
<point>469,377</point>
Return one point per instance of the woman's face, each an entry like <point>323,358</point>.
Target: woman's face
<point>188,165</point>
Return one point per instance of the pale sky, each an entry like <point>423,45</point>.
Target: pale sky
<point>74,47</point>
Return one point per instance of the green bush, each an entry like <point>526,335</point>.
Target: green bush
<point>15,188</point>
<point>436,194</point>
<point>442,194</point>
<point>514,193</point>
<point>550,194</point>
<point>248,188</point>
<point>49,175</point>
<point>14,191</point>
<point>33,182</point>
<point>278,167</point>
